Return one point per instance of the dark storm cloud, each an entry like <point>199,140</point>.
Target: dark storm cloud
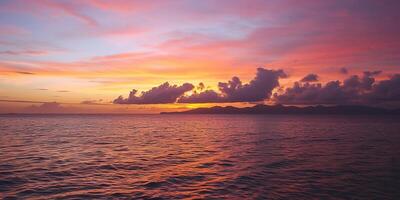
<point>310,78</point>
<point>386,90</point>
<point>206,96</point>
<point>259,89</point>
<point>355,89</point>
<point>164,93</point>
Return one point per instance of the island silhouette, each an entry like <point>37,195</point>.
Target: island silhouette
<point>281,109</point>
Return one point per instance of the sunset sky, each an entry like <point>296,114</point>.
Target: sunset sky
<point>80,56</point>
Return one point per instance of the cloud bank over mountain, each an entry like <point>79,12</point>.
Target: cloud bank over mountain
<point>258,89</point>
<point>356,89</point>
<point>164,93</point>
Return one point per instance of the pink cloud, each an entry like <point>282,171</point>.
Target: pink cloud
<point>25,52</point>
<point>51,8</point>
<point>315,35</point>
<point>69,9</point>
<point>7,30</point>
<point>122,6</point>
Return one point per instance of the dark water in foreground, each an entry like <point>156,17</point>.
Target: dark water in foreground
<point>199,156</point>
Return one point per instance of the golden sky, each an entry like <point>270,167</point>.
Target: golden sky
<point>85,54</point>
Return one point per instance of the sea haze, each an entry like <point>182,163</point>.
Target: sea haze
<point>199,156</point>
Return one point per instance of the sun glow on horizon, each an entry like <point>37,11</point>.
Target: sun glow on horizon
<point>89,53</point>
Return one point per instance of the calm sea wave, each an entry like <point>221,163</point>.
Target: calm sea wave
<point>199,156</point>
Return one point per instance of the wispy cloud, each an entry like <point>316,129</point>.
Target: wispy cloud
<point>70,9</point>
<point>26,73</point>
<point>94,102</point>
<point>26,52</point>
<point>21,101</point>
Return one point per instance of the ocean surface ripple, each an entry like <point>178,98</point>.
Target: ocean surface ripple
<point>199,157</point>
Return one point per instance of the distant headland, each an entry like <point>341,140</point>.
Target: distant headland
<point>280,109</point>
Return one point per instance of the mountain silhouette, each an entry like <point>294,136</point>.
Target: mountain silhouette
<point>280,109</point>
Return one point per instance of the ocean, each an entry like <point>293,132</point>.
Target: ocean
<point>199,157</point>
